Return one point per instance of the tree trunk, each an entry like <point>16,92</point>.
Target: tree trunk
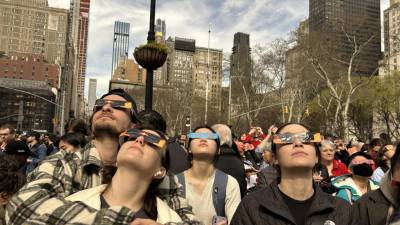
<point>345,117</point>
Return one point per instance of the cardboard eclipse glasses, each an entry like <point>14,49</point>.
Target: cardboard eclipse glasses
<point>149,138</point>
<point>212,136</point>
<point>306,137</point>
<point>99,103</point>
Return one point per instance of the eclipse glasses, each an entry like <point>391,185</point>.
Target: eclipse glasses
<point>99,103</point>
<point>149,138</point>
<point>306,137</point>
<point>212,136</point>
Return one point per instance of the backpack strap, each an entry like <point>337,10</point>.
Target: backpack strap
<point>219,192</point>
<point>181,179</point>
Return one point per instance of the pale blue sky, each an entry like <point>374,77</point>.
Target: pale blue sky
<point>264,20</point>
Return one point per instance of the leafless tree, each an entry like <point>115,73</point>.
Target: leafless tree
<point>341,85</point>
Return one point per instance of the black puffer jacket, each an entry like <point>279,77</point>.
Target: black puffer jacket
<point>266,207</point>
<point>230,163</point>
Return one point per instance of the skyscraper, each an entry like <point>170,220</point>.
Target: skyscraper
<point>78,28</point>
<point>180,62</point>
<point>92,93</point>
<point>391,36</point>
<point>120,43</point>
<point>214,71</point>
<point>32,27</point>
<point>83,31</point>
<point>359,19</point>
<point>240,73</point>
<point>161,27</point>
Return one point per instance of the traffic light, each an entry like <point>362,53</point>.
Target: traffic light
<point>286,109</point>
<point>187,121</point>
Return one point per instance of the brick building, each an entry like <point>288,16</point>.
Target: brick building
<point>29,67</point>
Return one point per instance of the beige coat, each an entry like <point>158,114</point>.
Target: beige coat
<point>91,197</point>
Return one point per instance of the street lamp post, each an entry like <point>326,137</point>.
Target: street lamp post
<point>150,72</point>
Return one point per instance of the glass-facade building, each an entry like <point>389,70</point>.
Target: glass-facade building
<point>359,19</point>
<point>120,44</point>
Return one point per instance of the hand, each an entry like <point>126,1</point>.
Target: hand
<point>144,222</point>
<point>272,129</point>
<point>317,178</point>
<point>248,147</point>
<point>252,130</point>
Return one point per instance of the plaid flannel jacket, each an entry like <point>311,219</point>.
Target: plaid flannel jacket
<point>41,200</point>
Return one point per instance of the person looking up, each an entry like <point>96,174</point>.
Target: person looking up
<point>142,164</point>
<point>208,190</point>
<point>64,173</point>
<point>293,198</point>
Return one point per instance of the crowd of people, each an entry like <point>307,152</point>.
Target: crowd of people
<point>124,169</point>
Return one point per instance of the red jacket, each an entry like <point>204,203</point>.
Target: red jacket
<point>339,168</point>
<point>252,140</point>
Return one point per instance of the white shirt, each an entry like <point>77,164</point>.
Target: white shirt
<point>202,204</point>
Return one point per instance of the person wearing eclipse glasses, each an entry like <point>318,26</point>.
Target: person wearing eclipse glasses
<point>43,201</point>
<point>351,187</point>
<point>142,161</point>
<point>382,206</point>
<point>293,198</point>
<point>213,194</point>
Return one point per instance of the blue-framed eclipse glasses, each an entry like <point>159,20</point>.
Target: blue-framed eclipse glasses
<point>212,136</point>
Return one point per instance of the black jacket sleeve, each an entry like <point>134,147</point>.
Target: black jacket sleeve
<point>242,216</point>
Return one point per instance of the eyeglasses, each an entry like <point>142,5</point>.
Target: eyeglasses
<point>306,137</point>
<point>149,138</point>
<point>100,103</point>
<point>212,136</point>
<point>4,134</point>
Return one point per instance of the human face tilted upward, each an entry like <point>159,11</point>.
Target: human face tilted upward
<point>141,150</point>
<point>110,121</point>
<point>296,155</point>
<point>203,148</point>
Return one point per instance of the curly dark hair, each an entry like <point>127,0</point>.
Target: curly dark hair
<point>11,179</point>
